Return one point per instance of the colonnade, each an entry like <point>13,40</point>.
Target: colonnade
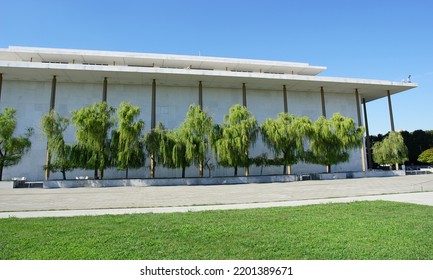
<point>357,95</point>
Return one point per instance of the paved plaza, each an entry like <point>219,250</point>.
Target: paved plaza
<point>120,200</point>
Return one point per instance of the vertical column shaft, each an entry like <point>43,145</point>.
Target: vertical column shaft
<point>244,95</point>
<point>200,95</point>
<point>152,126</point>
<point>52,105</point>
<point>1,84</point>
<point>285,99</point>
<point>391,117</point>
<point>369,159</point>
<point>358,112</point>
<point>53,93</point>
<point>153,117</point>
<point>322,96</point>
<point>104,90</point>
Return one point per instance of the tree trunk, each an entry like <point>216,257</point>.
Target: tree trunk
<point>284,169</point>
<point>95,173</point>
<point>64,173</point>
<point>200,167</point>
<point>247,171</point>
<point>101,172</point>
<point>1,172</point>
<point>48,163</point>
<point>289,169</point>
<point>236,171</point>
<point>126,172</point>
<point>328,168</point>
<point>183,172</point>
<point>152,166</point>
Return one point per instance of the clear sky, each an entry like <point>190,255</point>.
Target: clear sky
<point>376,39</point>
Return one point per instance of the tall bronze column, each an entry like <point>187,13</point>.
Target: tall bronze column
<point>200,95</point>
<point>367,133</point>
<point>52,105</point>
<point>322,97</point>
<point>244,95</point>
<point>358,112</point>
<point>391,116</point>
<point>285,99</point>
<point>153,116</point>
<point>104,90</point>
<point>152,126</point>
<point>1,84</point>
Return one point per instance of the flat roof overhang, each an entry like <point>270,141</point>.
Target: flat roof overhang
<point>76,73</point>
<point>93,57</point>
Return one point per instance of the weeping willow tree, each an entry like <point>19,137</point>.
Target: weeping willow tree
<point>154,142</point>
<point>173,151</point>
<point>128,139</point>
<point>332,140</point>
<point>232,140</point>
<point>93,125</point>
<point>194,134</point>
<point>59,153</point>
<point>12,148</point>
<point>391,150</point>
<point>285,136</point>
<point>426,156</point>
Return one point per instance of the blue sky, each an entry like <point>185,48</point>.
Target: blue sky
<point>381,39</point>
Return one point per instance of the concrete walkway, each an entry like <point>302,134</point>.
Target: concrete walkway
<point>123,200</point>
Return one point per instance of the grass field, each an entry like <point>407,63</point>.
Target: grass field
<point>359,230</point>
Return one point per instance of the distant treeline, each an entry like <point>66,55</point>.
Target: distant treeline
<point>416,142</point>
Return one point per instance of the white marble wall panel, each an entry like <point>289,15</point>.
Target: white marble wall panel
<point>31,100</point>
<point>217,101</point>
<point>172,103</point>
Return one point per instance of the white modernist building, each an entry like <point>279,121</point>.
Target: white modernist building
<point>35,80</point>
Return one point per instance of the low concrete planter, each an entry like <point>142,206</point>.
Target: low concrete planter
<point>358,174</point>
<point>6,184</point>
<point>169,181</point>
<point>216,180</point>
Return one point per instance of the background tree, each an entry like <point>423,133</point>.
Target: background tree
<point>232,140</point>
<point>285,136</point>
<point>426,156</point>
<point>59,153</point>
<point>12,148</point>
<point>194,132</point>
<point>93,125</point>
<point>332,140</point>
<point>391,150</point>
<point>129,138</point>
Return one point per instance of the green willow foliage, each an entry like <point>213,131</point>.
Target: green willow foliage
<point>93,125</point>
<point>59,153</point>
<point>194,132</point>
<point>426,156</point>
<point>291,139</point>
<point>232,140</point>
<point>332,139</point>
<point>12,149</point>
<point>391,150</point>
<point>152,144</point>
<point>286,136</point>
<point>128,139</point>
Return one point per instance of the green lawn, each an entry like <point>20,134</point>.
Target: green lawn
<point>359,230</point>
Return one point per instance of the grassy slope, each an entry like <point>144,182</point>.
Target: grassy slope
<point>360,230</point>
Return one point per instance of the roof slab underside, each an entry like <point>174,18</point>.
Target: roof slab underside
<point>31,71</point>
